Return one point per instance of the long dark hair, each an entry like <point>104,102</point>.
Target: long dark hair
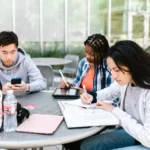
<point>100,46</point>
<point>130,54</point>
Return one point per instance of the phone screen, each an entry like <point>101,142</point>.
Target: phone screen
<point>16,81</point>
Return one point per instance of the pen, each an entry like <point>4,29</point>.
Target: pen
<point>84,88</point>
<point>63,78</point>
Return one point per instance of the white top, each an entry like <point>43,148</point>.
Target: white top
<point>140,131</point>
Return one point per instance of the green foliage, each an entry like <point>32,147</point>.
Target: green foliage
<point>32,48</point>
<point>76,48</point>
<point>55,53</point>
<point>53,49</point>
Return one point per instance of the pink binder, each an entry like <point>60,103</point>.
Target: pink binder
<point>40,123</point>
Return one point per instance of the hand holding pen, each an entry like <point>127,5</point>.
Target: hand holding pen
<point>63,85</point>
<point>84,88</point>
<point>63,78</point>
<point>85,97</point>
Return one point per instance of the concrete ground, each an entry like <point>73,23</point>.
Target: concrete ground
<point>58,147</point>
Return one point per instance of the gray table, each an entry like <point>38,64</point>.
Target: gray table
<point>51,61</point>
<point>46,105</point>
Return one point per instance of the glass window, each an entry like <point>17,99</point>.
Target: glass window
<point>6,15</point>
<point>118,20</point>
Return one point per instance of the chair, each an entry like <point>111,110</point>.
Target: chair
<point>48,74</point>
<point>71,68</point>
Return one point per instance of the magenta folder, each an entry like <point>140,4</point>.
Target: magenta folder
<point>40,123</point>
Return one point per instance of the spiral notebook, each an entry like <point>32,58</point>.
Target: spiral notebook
<point>40,123</point>
<point>77,114</point>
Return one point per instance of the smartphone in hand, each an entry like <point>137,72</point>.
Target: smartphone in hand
<point>16,81</point>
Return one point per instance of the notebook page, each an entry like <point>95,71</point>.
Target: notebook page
<point>81,117</point>
<point>79,103</point>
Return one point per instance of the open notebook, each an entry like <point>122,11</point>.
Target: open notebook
<point>77,114</point>
<point>40,123</point>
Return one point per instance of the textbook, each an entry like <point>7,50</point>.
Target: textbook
<point>77,114</point>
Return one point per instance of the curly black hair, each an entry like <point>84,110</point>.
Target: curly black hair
<point>100,46</point>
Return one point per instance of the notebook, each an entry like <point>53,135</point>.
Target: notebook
<point>77,114</point>
<point>40,123</point>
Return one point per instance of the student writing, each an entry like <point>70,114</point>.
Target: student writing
<point>129,65</point>
<point>92,70</point>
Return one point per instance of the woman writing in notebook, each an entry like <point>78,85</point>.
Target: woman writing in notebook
<point>129,65</point>
<point>92,70</point>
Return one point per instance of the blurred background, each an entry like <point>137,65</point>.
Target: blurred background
<point>53,28</point>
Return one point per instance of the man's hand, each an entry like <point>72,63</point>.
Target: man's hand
<point>86,98</point>
<point>7,86</point>
<point>21,87</point>
<point>103,105</point>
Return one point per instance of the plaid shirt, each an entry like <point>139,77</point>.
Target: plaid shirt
<point>83,69</point>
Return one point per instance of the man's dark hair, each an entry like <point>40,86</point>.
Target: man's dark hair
<point>8,37</point>
<point>131,55</point>
<point>100,46</point>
